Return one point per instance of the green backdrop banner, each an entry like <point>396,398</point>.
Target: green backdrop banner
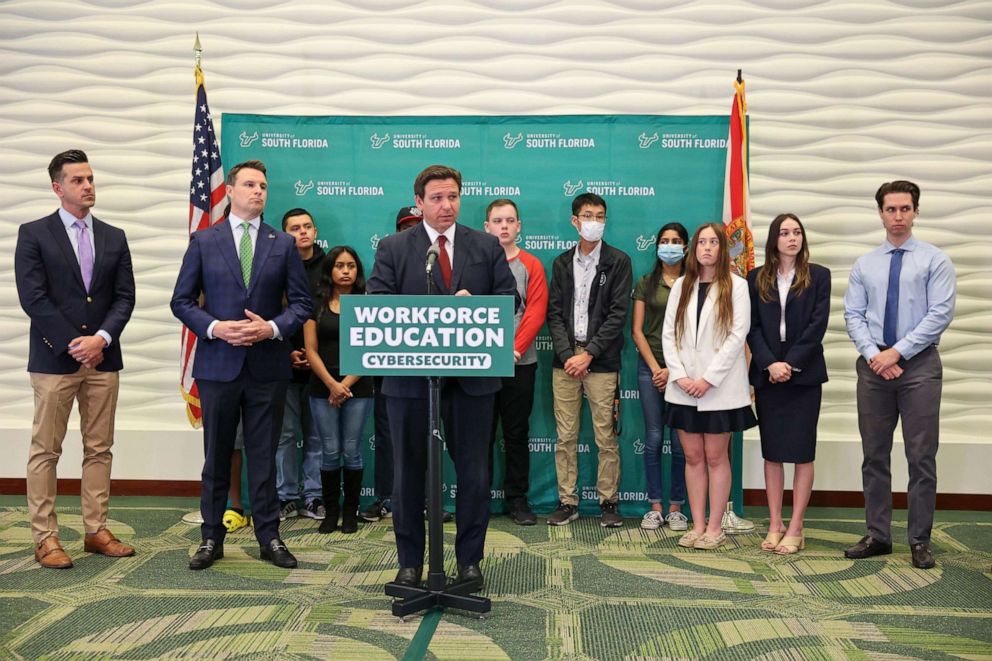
<point>354,173</point>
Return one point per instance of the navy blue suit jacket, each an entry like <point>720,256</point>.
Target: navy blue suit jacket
<point>50,289</point>
<point>278,291</point>
<point>806,317</point>
<point>479,267</point>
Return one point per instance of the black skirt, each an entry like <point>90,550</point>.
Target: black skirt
<point>694,421</point>
<point>788,415</point>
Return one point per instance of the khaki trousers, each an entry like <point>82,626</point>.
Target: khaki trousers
<point>599,388</point>
<point>96,393</point>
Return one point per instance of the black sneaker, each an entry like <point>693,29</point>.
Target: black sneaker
<point>521,514</point>
<point>564,515</point>
<point>610,517</point>
<point>380,509</point>
<point>314,509</point>
<point>523,517</point>
<point>288,510</point>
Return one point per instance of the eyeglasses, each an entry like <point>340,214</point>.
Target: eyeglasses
<point>600,218</point>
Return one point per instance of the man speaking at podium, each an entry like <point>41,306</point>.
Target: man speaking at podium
<point>469,262</point>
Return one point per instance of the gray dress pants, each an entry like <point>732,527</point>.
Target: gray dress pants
<point>914,398</point>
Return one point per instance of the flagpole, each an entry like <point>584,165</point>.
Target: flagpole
<point>198,53</point>
<point>739,222</point>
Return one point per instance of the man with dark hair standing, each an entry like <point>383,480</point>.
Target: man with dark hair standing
<point>587,313</point>
<point>900,299</point>
<point>296,423</point>
<point>515,400</point>
<point>255,294</point>
<point>470,263</point>
<point>75,282</point>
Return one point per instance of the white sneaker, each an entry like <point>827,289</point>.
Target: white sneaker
<point>652,520</point>
<point>733,524</point>
<point>677,521</point>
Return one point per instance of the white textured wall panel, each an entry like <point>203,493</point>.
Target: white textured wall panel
<point>842,97</point>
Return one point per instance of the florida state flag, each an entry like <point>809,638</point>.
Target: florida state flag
<point>736,194</point>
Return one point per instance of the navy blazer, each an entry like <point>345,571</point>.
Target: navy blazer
<point>51,292</point>
<point>480,267</point>
<point>806,317</point>
<point>278,291</point>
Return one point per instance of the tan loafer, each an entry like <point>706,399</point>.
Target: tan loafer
<point>707,543</point>
<point>104,543</point>
<point>689,539</point>
<point>50,554</point>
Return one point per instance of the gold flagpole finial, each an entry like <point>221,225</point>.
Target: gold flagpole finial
<point>197,51</point>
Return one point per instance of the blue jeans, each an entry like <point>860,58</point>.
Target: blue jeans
<point>653,406</point>
<point>296,423</point>
<point>340,431</point>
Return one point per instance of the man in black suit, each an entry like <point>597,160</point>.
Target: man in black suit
<point>75,282</point>
<point>255,297</point>
<point>470,262</point>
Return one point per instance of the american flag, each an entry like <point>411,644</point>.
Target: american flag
<point>206,207</point>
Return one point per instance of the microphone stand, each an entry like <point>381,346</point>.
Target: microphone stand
<point>438,593</point>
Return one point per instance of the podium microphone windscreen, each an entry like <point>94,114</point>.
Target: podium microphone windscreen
<point>432,254</point>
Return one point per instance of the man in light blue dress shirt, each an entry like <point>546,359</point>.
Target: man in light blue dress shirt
<point>900,298</point>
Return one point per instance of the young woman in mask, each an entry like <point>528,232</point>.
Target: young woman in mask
<point>339,403</point>
<point>650,299</point>
<point>706,323</point>
<point>790,305</point>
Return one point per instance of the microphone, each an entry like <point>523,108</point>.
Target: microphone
<point>432,254</point>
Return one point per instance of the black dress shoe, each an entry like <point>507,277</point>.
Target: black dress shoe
<point>277,553</point>
<point>409,576</point>
<point>470,574</point>
<point>205,555</point>
<point>446,516</point>
<point>868,547</point>
<point>922,556</point>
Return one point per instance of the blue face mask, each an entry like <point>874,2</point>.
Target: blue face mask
<point>671,253</point>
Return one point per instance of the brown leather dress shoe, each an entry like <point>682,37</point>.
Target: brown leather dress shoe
<point>50,555</point>
<point>104,543</point>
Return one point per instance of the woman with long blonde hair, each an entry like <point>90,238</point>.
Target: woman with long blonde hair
<point>707,393</point>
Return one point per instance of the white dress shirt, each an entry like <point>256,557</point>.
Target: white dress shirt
<point>784,284</point>
<point>449,246</point>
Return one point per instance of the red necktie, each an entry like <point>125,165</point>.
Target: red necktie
<point>445,261</point>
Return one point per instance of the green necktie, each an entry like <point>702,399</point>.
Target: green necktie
<point>245,252</point>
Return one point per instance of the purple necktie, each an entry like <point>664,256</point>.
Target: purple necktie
<point>85,254</point>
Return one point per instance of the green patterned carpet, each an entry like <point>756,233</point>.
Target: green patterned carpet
<point>578,592</point>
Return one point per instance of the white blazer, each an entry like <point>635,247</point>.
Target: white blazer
<point>703,354</point>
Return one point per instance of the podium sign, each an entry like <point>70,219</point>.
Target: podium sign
<point>427,335</point>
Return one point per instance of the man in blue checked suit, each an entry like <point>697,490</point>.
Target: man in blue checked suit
<point>255,296</point>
